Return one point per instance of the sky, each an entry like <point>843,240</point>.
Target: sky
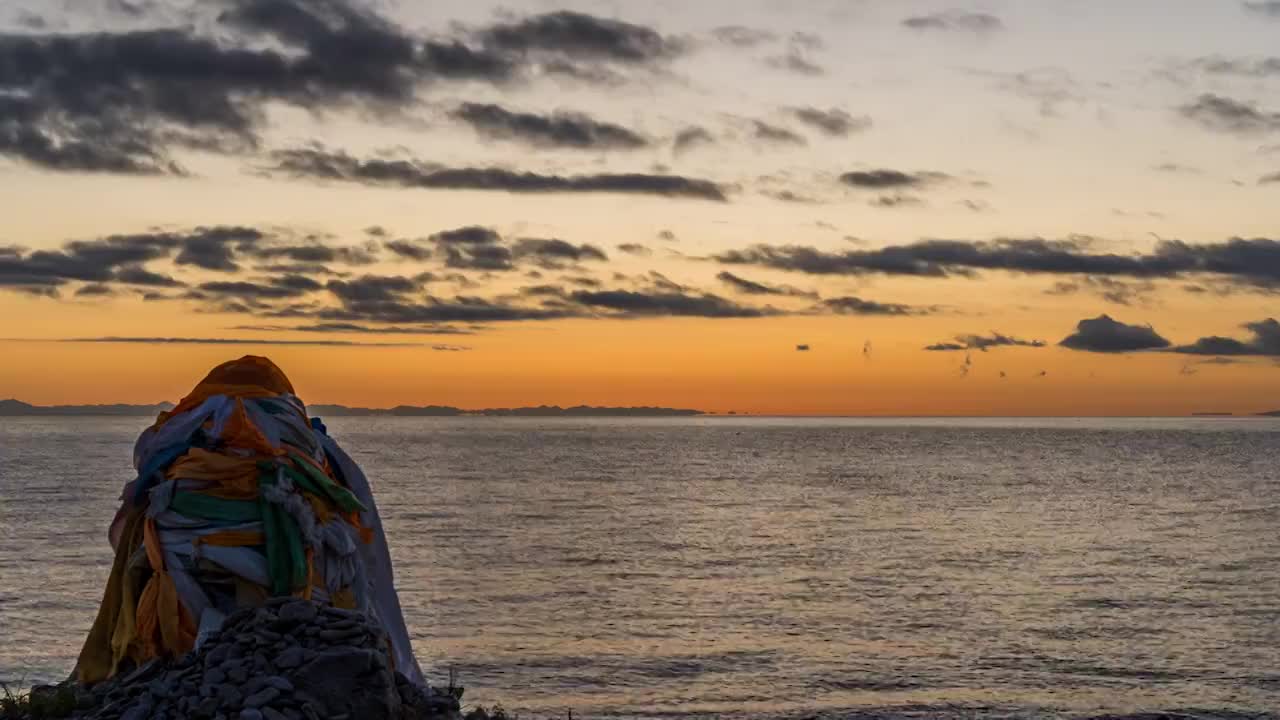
<point>863,207</point>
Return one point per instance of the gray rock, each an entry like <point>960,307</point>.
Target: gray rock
<point>262,697</point>
<point>273,714</point>
<point>229,696</point>
<point>250,714</point>
<point>298,611</point>
<point>215,676</point>
<point>141,711</point>
<point>290,658</point>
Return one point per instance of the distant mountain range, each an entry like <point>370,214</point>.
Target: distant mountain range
<point>16,408</point>
<point>540,411</point>
<point>12,408</point>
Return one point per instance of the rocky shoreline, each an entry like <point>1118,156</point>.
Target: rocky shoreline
<point>288,660</point>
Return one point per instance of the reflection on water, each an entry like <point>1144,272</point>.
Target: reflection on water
<point>759,567</point>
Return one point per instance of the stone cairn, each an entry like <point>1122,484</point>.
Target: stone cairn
<point>289,660</point>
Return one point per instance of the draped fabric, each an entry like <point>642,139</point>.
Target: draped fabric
<point>239,497</point>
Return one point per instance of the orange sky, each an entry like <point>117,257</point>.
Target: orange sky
<point>857,131</point>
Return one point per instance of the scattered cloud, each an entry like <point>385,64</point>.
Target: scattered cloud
<point>559,130</point>
<point>751,287</point>
<point>1250,263</point>
<point>955,21</point>
<point>743,37</point>
<point>983,343</point>
<point>1241,67</point>
<point>554,253</point>
<point>691,138</point>
<point>1264,341</point>
<point>1217,113</point>
<point>238,341</point>
<point>774,134</point>
<point>578,36</point>
<point>667,304</point>
<point>1112,290</point>
<point>634,249</point>
<point>850,305</point>
<point>833,122</point>
<point>891,179</point>
<point>802,348</point>
<point>898,200</point>
<point>1105,335</point>
<point>1268,8</point>
<point>321,164</point>
<point>795,62</point>
<point>1177,169</point>
<point>356,329</point>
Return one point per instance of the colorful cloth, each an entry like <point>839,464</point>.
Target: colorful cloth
<point>239,497</point>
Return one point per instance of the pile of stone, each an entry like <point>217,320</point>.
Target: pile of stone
<point>289,660</point>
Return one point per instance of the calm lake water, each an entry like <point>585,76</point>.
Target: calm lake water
<point>761,567</point>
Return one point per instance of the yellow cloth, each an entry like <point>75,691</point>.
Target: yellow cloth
<point>114,631</point>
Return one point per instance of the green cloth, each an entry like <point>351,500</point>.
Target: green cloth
<point>206,507</point>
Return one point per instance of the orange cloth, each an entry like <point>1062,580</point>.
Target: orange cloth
<point>251,376</point>
<point>231,478</point>
<point>165,627</point>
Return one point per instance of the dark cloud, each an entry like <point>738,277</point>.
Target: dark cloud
<point>635,249</point>
<point>690,138</point>
<point>984,342</point>
<point>802,348</point>
<point>1222,114</point>
<point>751,287</point>
<point>1269,179</point>
<point>1104,335</point>
<point>857,306</point>
<point>1268,8</point>
<point>790,197</point>
<point>1264,341</point>
<point>125,101</point>
<point>436,310</point>
<point>322,164</point>
<point>667,236</point>
<point>312,253</point>
<point>955,20</point>
<point>897,200</point>
<point>743,37</point>
<point>470,235</point>
<point>356,329</point>
<point>1176,169</point>
<point>795,62</point>
<point>834,122</point>
<point>560,130</point>
<point>667,304</point>
<point>136,275</point>
<point>215,248</point>
<point>1243,67</point>
<point>248,290</point>
<point>229,341</point>
<point>581,36</point>
<point>97,261</point>
<point>551,254</point>
<point>1115,291</point>
<point>408,249</point>
<point>1250,262</point>
<point>890,179</point>
<point>95,290</point>
<point>764,132</point>
<point>373,288</point>
<point>474,248</point>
